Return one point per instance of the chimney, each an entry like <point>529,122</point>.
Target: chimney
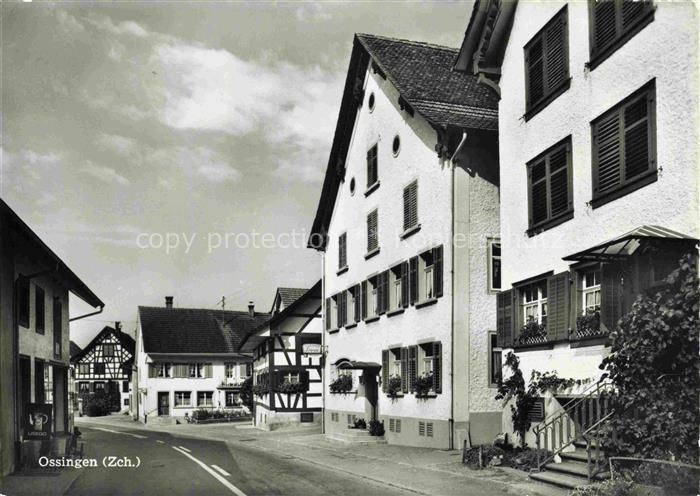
<point>168,302</point>
<point>118,326</point>
<point>251,309</point>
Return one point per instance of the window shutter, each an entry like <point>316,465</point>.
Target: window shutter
<point>304,378</point>
<point>537,181</point>
<point>358,303</point>
<point>404,370</point>
<point>342,251</point>
<point>637,143</point>
<point>604,25</point>
<point>385,370</point>
<point>606,153</point>
<point>363,299</point>
<point>534,61</point>
<point>404,284</point>
<point>382,292</point>
<point>437,270</point>
<point>151,371</point>
<point>437,367</point>
<point>386,290</point>
<point>412,367</point>
<point>208,370</point>
<point>372,234</point>
<point>410,206</point>
<point>342,309</point>
<point>558,298</point>
<point>372,166</point>
<point>557,67</point>
<point>505,324</point>
<point>610,296</point>
<point>413,279</point>
<point>560,197</point>
<point>328,313</point>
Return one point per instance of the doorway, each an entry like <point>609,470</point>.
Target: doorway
<point>371,394</point>
<point>163,404</point>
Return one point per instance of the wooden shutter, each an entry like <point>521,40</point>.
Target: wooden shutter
<point>549,182</point>
<point>404,285</point>
<point>382,293</point>
<point>358,303</point>
<point>413,279</point>
<point>328,313</point>
<point>152,371</point>
<point>372,168</point>
<point>387,278</point>
<point>410,206</point>
<point>534,62</point>
<point>505,320</point>
<point>412,367</point>
<point>342,251</point>
<point>404,370</point>
<point>604,25</point>
<point>437,367</point>
<point>537,184</point>
<point>208,370</point>
<point>437,271</point>
<point>304,378</point>
<point>606,153</point>
<point>372,234</point>
<point>363,299</point>
<point>558,299</point>
<point>610,296</point>
<point>342,309</point>
<point>560,195</point>
<point>637,148</point>
<point>557,60</point>
<point>57,327</point>
<point>385,370</point>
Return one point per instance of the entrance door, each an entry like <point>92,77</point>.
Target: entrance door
<point>371,395</point>
<point>25,386</point>
<point>164,404</point>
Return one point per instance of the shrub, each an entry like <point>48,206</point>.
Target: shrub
<point>654,365</point>
<point>218,414</point>
<point>393,387</point>
<point>201,414</point>
<point>588,324</point>
<point>342,384</point>
<point>360,423</point>
<point>291,387</point>
<point>247,393</point>
<point>376,428</point>
<point>423,384</point>
<point>260,389</point>
<point>611,488</point>
<point>96,404</point>
<point>471,456</point>
<point>532,332</point>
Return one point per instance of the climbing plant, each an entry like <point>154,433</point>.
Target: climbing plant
<point>654,366</point>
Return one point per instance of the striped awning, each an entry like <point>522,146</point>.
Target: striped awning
<point>627,244</point>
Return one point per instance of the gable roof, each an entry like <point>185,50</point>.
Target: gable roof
<point>74,349</point>
<point>289,295</point>
<point>126,341</point>
<point>422,73</point>
<point>195,330</point>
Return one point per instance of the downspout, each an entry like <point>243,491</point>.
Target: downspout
<point>87,314</point>
<point>452,283</point>
<point>324,351</point>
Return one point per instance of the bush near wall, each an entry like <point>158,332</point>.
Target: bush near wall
<point>96,404</point>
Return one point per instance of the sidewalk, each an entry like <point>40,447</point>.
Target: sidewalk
<point>418,470</point>
<point>38,482</point>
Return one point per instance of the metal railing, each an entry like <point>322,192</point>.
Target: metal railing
<point>560,430</point>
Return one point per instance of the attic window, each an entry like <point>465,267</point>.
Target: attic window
<point>352,186</point>
<point>370,102</point>
<point>396,145</point>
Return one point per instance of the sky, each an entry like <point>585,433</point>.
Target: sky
<point>151,145</point>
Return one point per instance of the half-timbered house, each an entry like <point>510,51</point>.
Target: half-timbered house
<point>106,363</point>
<point>287,360</point>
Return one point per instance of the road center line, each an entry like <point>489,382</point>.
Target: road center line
<point>137,436</point>
<point>218,477</point>
<point>221,470</point>
<point>184,449</point>
<point>159,441</point>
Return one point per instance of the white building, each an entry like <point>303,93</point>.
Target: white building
<point>287,360</point>
<point>598,134</point>
<point>106,363</point>
<point>188,359</point>
<point>408,223</point>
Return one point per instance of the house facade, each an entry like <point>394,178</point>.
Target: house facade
<point>106,364</point>
<point>34,339</point>
<point>408,225</point>
<point>188,359</point>
<point>598,134</point>
<point>287,360</point>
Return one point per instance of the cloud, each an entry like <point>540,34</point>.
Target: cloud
<point>105,23</point>
<point>104,174</point>
<point>116,51</point>
<point>308,171</point>
<point>312,12</point>
<point>69,23</point>
<point>198,162</point>
<point>120,144</point>
<point>109,102</point>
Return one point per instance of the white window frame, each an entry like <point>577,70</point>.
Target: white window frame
<point>493,349</point>
<point>395,362</point>
<point>163,370</point>
<point>372,297</point>
<point>182,393</point>
<point>230,370</point>
<point>395,288</point>
<point>292,377</point>
<point>491,243</point>
<point>426,281</point>
<point>425,364</point>
<point>205,404</point>
<point>195,370</point>
<point>538,303</point>
<point>350,306</point>
<point>590,289</point>
<point>112,346</point>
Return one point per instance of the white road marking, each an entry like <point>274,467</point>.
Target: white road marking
<point>184,449</point>
<point>159,441</point>
<point>137,436</point>
<point>221,470</point>
<point>218,477</point>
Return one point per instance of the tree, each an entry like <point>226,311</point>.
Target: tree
<point>654,367</point>
<point>247,393</point>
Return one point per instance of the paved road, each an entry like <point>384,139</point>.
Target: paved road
<point>173,465</point>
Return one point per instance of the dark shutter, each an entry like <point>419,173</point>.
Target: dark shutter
<point>557,51</point>
<point>437,367</point>
<point>610,296</point>
<point>437,271</point>
<point>549,184</point>
<point>358,303</point>
<point>23,301</point>
<point>208,372</point>
<point>404,370</point>
<point>381,291</point>
<point>606,154</point>
<point>404,284</point>
<point>385,296</point>
<point>342,251</point>
<point>604,25</point>
<point>547,60</point>
<point>534,62</point>
<point>558,299</point>
<point>304,378</point>
<point>412,367</point>
<point>410,206</point>
<point>328,313</point>
<point>413,279</point>
<point>363,299</point>
<point>372,234</point>
<point>505,324</point>
<point>385,369</point>
<point>372,175</point>
<point>57,327</point>
<point>637,152</point>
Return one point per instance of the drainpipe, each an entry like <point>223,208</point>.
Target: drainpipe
<point>324,351</point>
<point>452,283</point>
<point>87,314</point>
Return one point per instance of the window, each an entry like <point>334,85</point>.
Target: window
<point>39,301</point>
<point>425,276</point>
<point>547,64</point>
<point>83,387</point>
<point>162,369</point>
<point>395,368</point>
<point>352,186</point>
<point>372,297</point>
<point>372,167</point>
<point>340,306</point>
<point>396,145</point>
<point>624,147</point>
<point>372,231</point>
<point>410,207</point>
<point>342,251</point>
<point>196,370</point>
<point>426,286</point>
<point>398,286</point>
<point>613,22</point>
<point>590,291</point>
<point>536,414</point>
<point>183,398</point>
<point>352,304</point>
<point>108,350</point>
<point>494,261</point>
<point>23,301</point>
<point>99,368</point>
<point>370,102</point>
<point>57,327</point>
<point>100,386</point>
<point>290,377</point>
<point>495,363</point>
<point>125,386</point>
<point>231,398</point>
<point>230,370</point>
<point>84,368</point>
<point>205,398</point>
<point>534,303</point>
<point>549,188</point>
<point>126,401</point>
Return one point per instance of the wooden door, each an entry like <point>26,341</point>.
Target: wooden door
<point>163,404</point>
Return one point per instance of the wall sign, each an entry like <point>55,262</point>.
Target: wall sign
<point>37,421</point>
<point>311,349</point>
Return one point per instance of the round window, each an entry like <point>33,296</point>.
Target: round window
<point>396,145</point>
<point>370,102</point>
<point>352,186</point>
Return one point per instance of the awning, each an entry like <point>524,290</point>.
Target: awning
<point>623,246</point>
<point>345,364</point>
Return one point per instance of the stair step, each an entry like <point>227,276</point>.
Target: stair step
<point>579,455</point>
<point>573,468</point>
<point>560,479</point>
<point>580,443</point>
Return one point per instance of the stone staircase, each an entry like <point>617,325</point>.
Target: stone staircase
<point>161,420</point>
<point>355,437</point>
<point>572,472</point>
